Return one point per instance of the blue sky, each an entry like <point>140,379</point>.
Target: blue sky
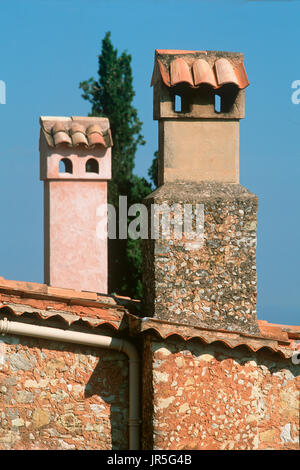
<point>48,46</point>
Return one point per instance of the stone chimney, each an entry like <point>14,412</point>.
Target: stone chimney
<point>75,165</point>
<point>209,280</point>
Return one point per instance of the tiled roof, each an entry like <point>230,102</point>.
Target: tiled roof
<point>95,310</point>
<point>196,68</point>
<point>74,131</point>
<point>18,298</point>
<point>280,339</point>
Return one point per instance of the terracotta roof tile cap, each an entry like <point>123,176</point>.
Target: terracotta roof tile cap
<point>180,72</point>
<point>94,128</point>
<point>58,127</point>
<point>62,138</point>
<point>225,72</point>
<point>75,127</point>
<point>95,138</point>
<point>203,73</point>
<point>216,68</point>
<point>88,131</point>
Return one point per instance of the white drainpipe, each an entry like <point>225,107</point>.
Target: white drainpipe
<point>55,334</point>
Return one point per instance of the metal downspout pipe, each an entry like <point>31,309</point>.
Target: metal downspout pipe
<point>87,339</point>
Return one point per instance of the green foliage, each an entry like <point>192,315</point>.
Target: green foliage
<point>153,170</point>
<point>111,96</point>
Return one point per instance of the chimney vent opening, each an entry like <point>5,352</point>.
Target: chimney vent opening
<point>177,104</point>
<point>92,166</point>
<point>65,166</point>
<point>218,104</point>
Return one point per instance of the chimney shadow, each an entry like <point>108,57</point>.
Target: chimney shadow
<point>109,381</point>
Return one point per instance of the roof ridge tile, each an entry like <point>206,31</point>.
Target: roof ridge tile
<point>77,130</point>
<point>176,67</point>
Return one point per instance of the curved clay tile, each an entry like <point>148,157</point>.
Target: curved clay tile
<point>77,132</point>
<point>180,72</point>
<point>94,128</point>
<point>61,138</point>
<point>69,318</point>
<point>58,127</point>
<point>225,72</point>
<point>94,135</point>
<point>251,345</point>
<point>96,139</point>
<point>164,73</point>
<point>203,73</point>
<point>241,75</point>
<point>60,134</point>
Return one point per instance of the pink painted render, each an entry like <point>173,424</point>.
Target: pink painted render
<point>50,158</point>
<point>75,255</point>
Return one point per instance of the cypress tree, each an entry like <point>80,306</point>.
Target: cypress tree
<point>111,96</point>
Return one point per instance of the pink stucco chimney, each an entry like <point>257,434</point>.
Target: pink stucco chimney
<point>75,165</point>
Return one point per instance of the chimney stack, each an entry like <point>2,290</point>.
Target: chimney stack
<point>75,165</point>
<point>198,101</point>
<point>208,281</point>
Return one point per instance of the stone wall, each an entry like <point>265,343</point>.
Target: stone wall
<point>210,282</point>
<point>216,398</point>
<point>195,396</point>
<point>61,396</point>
